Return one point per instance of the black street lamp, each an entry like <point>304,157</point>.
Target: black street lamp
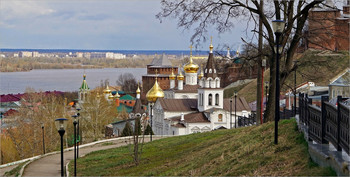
<point>151,120</point>
<point>61,125</point>
<point>235,94</point>
<point>295,87</point>
<point>79,137</point>
<point>75,144</point>
<point>278,26</point>
<point>43,131</point>
<point>230,113</point>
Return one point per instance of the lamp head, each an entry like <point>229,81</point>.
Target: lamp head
<point>75,117</point>
<point>278,26</point>
<point>280,49</point>
<point>235,94</point>
<point>61,123</point>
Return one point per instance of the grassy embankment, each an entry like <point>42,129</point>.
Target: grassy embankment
<point>244,151</point>
<point>313,68</point>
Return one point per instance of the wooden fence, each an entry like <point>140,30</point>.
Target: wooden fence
<point>328,123</point>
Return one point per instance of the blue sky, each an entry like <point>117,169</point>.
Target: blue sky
<point>97,24</point>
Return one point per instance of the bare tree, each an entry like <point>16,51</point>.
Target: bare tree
<point>128,82</point>
<point>221,14</point>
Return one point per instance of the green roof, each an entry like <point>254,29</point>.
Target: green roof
<point>84,85</point>
<point>127,97</point>
<point>123,107</point>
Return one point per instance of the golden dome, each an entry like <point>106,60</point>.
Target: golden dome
<point>201,74</point>
<point>172,76</point>
<point>180,76</point>
<point>110,96</point>
<point>191,67</point>
<point>154,93</point>
<point>138,91</point>
<point>106,91</point>
<point>117,95</point>
<point>211,44</point>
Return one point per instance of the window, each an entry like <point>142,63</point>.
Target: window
<point>210,97</point>
<point>202,99</point>
<point>205,129</point>
<point>217,99</point>
<point>195,130</point>
<point>220,117</point>
<point>210,70</point>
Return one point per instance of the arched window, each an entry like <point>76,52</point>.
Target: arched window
<point>210,97</point>
<point>220,117</point>
<point>217,99</point>
<point>217,82</point>
<point>210,70</point>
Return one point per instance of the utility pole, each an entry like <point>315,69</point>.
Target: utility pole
<point>260,73</point>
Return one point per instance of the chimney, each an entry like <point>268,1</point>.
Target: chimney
<point>182,117</point>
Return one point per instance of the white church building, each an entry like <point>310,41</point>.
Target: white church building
<point>198,105</point>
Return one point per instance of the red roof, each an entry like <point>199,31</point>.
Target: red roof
<point>197,117</point>
<point>17,97</point>
<point>10,112</point>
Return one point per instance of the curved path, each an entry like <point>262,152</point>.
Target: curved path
<point>51,165</point>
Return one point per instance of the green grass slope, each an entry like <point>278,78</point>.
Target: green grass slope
<point>314,67</point>
<point>243,151</point>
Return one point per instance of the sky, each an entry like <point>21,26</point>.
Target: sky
<point>97,24</point>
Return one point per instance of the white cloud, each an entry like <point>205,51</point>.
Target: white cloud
<point>23,9</point>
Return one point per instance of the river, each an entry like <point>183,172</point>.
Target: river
<point>61,79</point>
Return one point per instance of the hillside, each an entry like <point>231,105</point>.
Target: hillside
<point>315,66</point>
<point>243,151</point>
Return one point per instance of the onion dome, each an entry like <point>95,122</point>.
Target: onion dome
<point>117,95</point>
<point>180,76</point>
<point>110,96</point>
<point>154,93</point>
<point>84,85</point>
<point>172,76</point>
<point>191,67</point>
<point>106,90</point>
<point>201,74</point>
<point>138,91</point>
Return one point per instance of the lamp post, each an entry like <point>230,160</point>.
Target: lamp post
<point>61,125</point>
<point>43,131</point>
<point>235,94</point>
<point>295,87</point>
<point>266,87</point>
<point>230,113</point>
<point>79,137</point>
<point>75,144</point>
<point>151,120</point>
<point>278,26</point>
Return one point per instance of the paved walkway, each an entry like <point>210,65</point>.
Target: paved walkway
<point>51,165</point>
<point>6,169</point>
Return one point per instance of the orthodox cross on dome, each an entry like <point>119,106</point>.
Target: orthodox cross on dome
<point>191,50</point>
<point>211,44</point>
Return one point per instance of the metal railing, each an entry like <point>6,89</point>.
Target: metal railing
<point>326,124</point>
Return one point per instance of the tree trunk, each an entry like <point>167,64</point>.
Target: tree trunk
<point>260,74</point>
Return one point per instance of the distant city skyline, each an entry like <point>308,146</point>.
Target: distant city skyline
<point>99,25</point>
